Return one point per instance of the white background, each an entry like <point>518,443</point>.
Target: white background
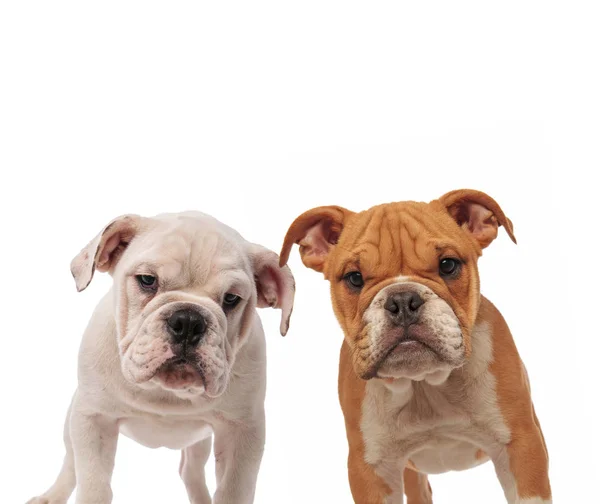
<point>255,112</point>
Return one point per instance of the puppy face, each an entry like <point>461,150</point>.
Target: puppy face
<point>404,282</point>
<point>186,287</point>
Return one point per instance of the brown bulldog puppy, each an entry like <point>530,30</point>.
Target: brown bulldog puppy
<point>430,378</point>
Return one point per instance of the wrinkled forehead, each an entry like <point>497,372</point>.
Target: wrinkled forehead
<point>192,249</point>
<point>399,238</point>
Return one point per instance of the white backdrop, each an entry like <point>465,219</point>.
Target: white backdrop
<point>255,112</point>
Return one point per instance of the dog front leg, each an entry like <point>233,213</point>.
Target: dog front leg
<point>522,467</point>
<point>366,485</point>
<point>238,453</point>
<point>191,469</point>
<point>62,489</point>
<point>94,439</point>
<point>417,487</point>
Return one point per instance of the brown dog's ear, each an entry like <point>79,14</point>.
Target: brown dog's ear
<point>477,213</point>
<point>103,252</point>
<point>316,231</point>
<point>275,286</point>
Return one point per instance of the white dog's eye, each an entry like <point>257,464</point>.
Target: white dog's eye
<point>231,300</point>
<point>147,282</point>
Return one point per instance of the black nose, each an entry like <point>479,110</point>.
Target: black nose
<point>186,326</point>
<point>404,307</point>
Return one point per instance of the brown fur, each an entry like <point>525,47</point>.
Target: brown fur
<point>416,487</point>
<point>374,239</point>
<point>527,451</point>
<point>407,240</point>
<point>366,486</point>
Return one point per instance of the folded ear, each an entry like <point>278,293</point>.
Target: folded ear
<point>316,231</point>
<point>275,284</point>
<point>478,214</point>
<point>104,251</point>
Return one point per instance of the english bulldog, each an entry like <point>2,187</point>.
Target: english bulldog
<point>173,353</point>
<point>430,379</point>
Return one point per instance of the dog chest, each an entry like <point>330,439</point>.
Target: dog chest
<point>418,426</point>
<point>432,447</point>
<point>168,432</point>
<point>444,455</point>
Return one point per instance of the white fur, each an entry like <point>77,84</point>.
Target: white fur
<point>422,421</point>
<point>435,315</point>
<point>126,343</point>
<point>434,432</point>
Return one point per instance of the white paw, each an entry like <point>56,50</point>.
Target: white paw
<point>46,500</point>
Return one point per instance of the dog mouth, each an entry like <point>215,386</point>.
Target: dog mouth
<point>413,339</point>
<point>404,344</point>
<point>180,372</point>
<point>179,361</point>
<point>416,335</point>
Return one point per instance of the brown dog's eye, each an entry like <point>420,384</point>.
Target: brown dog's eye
<point>147,282</point>
<point>449,267</point>
<point>354,279</point>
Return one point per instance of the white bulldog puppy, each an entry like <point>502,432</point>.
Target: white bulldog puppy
<point>174,353</point>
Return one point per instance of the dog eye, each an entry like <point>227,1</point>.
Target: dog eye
<point>147,282</point>
<point>354,279</point>
<point>231,300</point>
<point>449,267</point>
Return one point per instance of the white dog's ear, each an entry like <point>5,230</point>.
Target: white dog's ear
<point>275,285</point>
<point>103,252</point>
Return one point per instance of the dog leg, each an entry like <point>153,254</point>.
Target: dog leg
<point>191,470</point>
<point>238,452</point>
<point>367,486</point>
<point>417,487</point>
<point>64,485</point>
<point>94,440</point>
<point>522,468</point>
